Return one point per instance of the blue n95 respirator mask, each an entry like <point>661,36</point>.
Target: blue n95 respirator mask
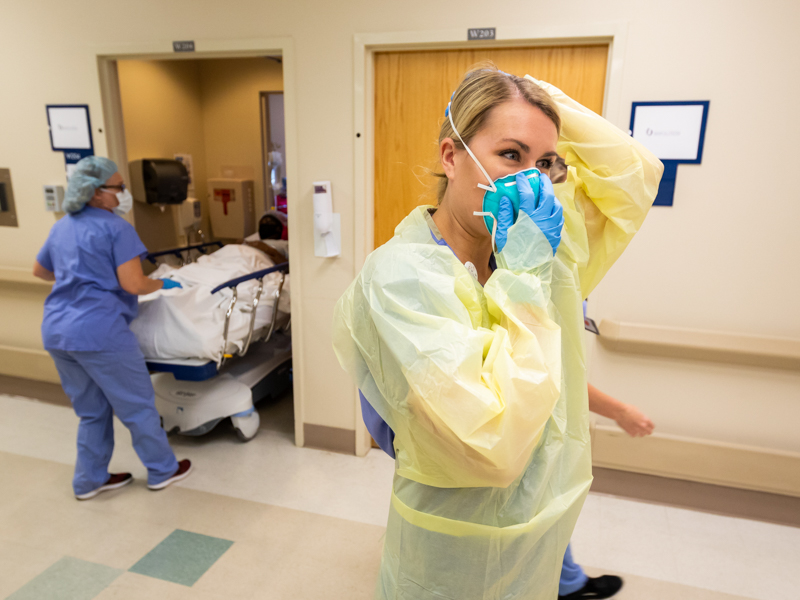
<point>503,186</point>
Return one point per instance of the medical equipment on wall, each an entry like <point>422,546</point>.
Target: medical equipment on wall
<point>246,360</point>
<point>159,181</point>
<point>230,207</point>
<point>189,216</point>
<point>53,197</point>
<point>160,189</point>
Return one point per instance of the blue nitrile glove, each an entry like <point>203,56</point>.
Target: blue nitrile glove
<point>170,283</point>
<point>505,219</point>
<point>548,215</point>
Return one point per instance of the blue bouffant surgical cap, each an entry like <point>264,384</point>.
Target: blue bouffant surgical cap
<point>90,173</point>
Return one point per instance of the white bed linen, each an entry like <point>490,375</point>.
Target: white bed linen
<point>189,322</point>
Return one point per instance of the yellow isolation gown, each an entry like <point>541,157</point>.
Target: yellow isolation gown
<point>485,387</point>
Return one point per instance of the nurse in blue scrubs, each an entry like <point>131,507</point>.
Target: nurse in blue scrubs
<point>94,257</point>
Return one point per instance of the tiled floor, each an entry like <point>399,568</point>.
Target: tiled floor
<point>269,520</point>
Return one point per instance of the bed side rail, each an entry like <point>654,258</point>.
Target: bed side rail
<point>283,268</point>
<point>201,248</point>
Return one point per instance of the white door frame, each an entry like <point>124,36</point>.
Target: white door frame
<point>364,47</point>
<point>107,57</point>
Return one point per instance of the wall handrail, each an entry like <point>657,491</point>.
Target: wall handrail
<point>698,344</point>
<point>21,275</point>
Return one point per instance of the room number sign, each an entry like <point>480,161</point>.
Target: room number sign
<point>481,33</point>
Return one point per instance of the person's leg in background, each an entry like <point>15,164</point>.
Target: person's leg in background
<point>572,576</point>
<point>95,431</point>
<point>576,585</point>
<point>124,380</point>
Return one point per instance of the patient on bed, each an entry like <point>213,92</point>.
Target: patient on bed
<point>189,322</point>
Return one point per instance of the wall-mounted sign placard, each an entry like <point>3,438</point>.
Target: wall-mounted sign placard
<point>185,46</point>
<point>70,132</point>
<point>70,127</point>
<point>675,133</point>
<point>481,33</point>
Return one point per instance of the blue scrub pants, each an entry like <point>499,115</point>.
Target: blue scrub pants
<point>572,576</point>
<point>100,385</point>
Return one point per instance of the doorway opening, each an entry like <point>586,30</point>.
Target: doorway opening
<point>195,125</point>
<point>207,114</point>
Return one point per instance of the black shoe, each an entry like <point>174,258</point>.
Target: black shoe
<point>596,588</point>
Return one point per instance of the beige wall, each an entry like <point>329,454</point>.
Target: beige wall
<point>232,117</point>
<point>724,257</point>
<point>163,112</point>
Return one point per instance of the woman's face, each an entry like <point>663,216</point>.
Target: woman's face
<point>105,197</point>
<point>516,136</point>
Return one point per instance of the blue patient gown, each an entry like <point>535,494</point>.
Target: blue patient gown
<point>85,330</point>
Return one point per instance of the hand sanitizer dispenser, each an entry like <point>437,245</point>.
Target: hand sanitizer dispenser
<point>327,224</point>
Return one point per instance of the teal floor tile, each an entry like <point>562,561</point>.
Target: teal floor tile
<point>182,557</point>
<point>68,579</point>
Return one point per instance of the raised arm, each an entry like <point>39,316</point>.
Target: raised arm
<point>611,184</point>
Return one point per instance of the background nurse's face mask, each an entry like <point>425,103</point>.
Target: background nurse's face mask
<point>125,203</point>
<point>502,186</point>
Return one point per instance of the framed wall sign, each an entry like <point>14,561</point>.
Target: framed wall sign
<point>70,132</point>
<point>675,132</point>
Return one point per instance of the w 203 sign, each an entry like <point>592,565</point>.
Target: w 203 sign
<point>481,33</point>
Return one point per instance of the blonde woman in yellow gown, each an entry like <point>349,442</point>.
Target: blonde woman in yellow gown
<point>464,334</point>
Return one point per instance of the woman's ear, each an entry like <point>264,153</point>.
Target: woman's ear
<point>447,156</point>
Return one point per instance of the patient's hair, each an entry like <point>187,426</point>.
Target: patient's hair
<point>481,89</point>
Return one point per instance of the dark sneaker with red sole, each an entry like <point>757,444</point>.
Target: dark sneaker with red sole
<point>184,468</point>
<point>117,480</point>
<point>596,588</point>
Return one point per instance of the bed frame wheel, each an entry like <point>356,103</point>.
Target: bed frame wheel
<point>246,426</point>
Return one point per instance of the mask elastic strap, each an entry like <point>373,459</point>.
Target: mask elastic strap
<point>478,213</point>
<point>491,187</point>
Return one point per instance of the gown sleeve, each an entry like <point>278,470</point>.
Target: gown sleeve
<point>467,379</point>
<point>611,185</point>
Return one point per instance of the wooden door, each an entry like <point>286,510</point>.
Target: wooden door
<point>412,90</point>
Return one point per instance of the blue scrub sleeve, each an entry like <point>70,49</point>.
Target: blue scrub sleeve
<point>377,427</point>
<point>43,258</point>
<point>127,245</point>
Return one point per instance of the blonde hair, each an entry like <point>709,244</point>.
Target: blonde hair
<point>483,88</point>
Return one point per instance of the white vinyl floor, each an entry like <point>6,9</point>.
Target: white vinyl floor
<point>711,553</point>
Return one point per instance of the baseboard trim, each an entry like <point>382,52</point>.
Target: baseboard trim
<point>704,497</point>
<point>716,463</point>
<point>329,438</point>
<point>28,364</point>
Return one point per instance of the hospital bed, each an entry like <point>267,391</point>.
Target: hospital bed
<point>194,394</point>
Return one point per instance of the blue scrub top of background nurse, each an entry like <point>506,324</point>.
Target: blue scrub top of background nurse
<point>94,257</point>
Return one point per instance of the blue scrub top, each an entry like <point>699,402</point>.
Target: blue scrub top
<point>87,309</point>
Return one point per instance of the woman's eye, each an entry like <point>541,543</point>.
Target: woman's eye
<point>544,165</point>
<point>510,155</point>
